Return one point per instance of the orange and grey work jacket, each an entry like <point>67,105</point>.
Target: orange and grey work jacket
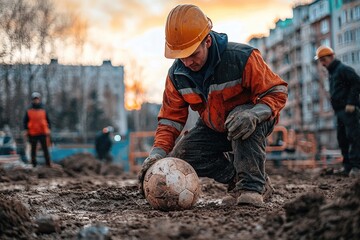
<point>36,121</point>
<point>240,77</point>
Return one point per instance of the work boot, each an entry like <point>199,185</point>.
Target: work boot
<point>354,173</point>
<point>250,198</point>
<point>230,199</point>
<point>342,172</point>
<point>255,198</point>
<point>34,163</point>
<point>269,189</point>
<point>232,195</point>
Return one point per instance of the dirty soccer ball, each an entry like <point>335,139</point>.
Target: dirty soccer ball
<point>171,184</point>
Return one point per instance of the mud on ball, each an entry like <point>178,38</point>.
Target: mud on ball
<point>171,184</point>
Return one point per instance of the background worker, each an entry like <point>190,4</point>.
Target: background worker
<point>7,143</point>
<point>344,96</point>
<point>236,95</point>
<point>103,144</point>
<point>37,128</point>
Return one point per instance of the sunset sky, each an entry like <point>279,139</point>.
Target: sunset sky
<point>132,31</point>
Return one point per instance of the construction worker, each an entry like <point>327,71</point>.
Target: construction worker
<point>103,144</point>
<point>37,128</point>
<point>237,97</point>
<point>344,96</point>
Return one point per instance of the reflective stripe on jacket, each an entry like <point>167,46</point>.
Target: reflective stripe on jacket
<point>37,122</point>
<point>241,76</point>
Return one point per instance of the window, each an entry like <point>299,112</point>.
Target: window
<point>324,27</point>
<point>349,36</point>
<point>340,39</point>
<point>290,95</point>
<point>344,17</point>
<point>357,13</point>
<point>286,59</point>
<point>357,35</point>
<point>315,90</point>
<point>326,86</point>
<point>309,107</point>
<point>316,107</point>
<point>308,91</point>
<point>339,22</point>
<point>338,3</point>
<point>326,105</point>
<point>355,57</point>
<point>325,42</point>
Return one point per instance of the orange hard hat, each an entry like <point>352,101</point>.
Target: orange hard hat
<point>186,27</point>
<point>323,51</point>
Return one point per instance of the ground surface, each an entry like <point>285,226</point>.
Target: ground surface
<point>83,198</point>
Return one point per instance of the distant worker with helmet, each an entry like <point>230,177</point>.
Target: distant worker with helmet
<point>37,128</point>
<point>237,97</point>
<point>344,97</point>
<point>103,144</point>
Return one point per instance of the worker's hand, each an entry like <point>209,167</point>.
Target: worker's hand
<point>242,121</point>
<point>241,125</point>
<point>148,162</point>
<point>349,108</point>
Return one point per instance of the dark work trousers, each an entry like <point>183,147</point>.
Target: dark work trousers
<point>104,156</point>
<point>348,135</point>
<point>33,141</point>
<point>206,150</point>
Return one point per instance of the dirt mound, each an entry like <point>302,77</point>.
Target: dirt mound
<point>86,164</point>
<point>17,173</point>
<point>77,165</point>
<point>15,221</point>
<point>311,217</point>
<point>53,172</point>
<point>82,163</point>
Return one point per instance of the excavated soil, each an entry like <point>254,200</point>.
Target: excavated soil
<point>83,198</point>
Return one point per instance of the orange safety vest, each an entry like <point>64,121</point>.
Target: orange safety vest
<point>37,124</point>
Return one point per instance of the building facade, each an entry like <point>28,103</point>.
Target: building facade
<point>91,88</point>
<point>290,49</point>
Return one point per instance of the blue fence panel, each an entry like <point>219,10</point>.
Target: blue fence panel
<point>119,151</point>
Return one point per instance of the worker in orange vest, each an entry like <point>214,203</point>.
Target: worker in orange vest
<point>37,128</point>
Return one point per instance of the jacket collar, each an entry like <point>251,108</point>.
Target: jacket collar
<point>219,43</point>
<point>331,68</point>
<point>36,106</point>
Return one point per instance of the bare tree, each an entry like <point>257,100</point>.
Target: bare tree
<point>29,30</point>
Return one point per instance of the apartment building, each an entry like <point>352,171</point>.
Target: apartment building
<point>289,50</point>
<point>81,82</point>
<point>346,32</point>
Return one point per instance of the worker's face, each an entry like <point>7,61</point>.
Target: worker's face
<point>36,100</point>
<point>325,61</point>
<point>198,59</point>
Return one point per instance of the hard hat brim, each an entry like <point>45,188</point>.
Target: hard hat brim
<point>318,57</point>
<point>183,53</point>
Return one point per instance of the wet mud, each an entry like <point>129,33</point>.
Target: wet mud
<point>82,198</point>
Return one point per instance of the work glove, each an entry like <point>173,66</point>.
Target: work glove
<point>242,120</point>
<point>155,155</point>
<point>349,108</point>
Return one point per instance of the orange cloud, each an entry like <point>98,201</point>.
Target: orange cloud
<point>134,17</point>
